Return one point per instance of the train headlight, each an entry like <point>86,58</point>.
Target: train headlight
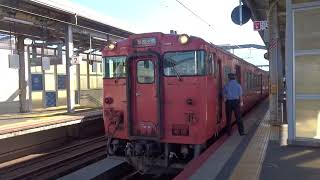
<point>183,39</point>
<point>111,46</point>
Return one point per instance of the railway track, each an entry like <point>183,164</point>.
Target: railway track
<point>55,163</point>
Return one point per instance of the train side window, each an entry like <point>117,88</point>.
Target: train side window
<point>250,80</point>
<point>253,81</point>
<point>246,80</point>
<point>185,63</point>
<point>257,81</point>
<point>211,65</point>
<point>227,70</point>
<point>214,65</point>
<point>145,72</point>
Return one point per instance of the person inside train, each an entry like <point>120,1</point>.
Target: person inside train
<point>233,98</point>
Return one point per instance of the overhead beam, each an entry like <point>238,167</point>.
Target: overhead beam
<point>243,46</point>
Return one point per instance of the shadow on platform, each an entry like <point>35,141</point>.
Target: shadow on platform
<point>291,162</point>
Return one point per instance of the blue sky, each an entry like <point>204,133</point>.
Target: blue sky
<point>164,15</point>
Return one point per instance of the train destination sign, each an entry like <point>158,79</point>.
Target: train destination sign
<point>144,42</point>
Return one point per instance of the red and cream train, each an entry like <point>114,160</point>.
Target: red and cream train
<point>162,96</point>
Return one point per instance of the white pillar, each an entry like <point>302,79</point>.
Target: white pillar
<point>289,73</point>
<point>69,69</point>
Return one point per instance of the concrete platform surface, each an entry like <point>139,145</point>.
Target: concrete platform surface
<point>259,156</point>
<point>24,123</point>
<point>221,158</point>
<point>291,162</point>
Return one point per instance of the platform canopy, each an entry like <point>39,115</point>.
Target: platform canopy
<point>46,20</point>
<point>261,10</point>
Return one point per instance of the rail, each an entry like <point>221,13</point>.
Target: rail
<point>56,163</point>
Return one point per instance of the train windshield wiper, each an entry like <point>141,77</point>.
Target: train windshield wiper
<point>173,65</point>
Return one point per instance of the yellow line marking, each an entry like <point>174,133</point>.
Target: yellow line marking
<point>249,166</point>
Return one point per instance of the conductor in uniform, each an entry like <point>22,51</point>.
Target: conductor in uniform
<point>233,100</point>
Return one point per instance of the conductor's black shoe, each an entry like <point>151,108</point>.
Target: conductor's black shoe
<point>243,134</point>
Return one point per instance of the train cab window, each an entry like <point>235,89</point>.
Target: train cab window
<point>145,71</point>
<point>114,67</point>
<point>188,63</point>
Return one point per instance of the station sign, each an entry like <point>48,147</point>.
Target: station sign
<point>260,25</point>
<point>76,59</point>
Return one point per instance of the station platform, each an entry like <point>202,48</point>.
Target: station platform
<point>42,119</point>
<point>258,155</point>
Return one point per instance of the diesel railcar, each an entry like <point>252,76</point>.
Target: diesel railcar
<point>163,96</point>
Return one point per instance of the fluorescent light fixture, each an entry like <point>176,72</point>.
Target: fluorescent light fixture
<point>17,20</point>
<point>27,41</point>
<point>101,39</point>
<point>89,51</point>
<point>40,42</point>
<point>53,46</point>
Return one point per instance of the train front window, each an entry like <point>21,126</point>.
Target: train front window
<point>145,72</point>
<point>114,67</point>
<point>188,63</point>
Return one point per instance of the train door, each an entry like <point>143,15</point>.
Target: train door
<point>144,97</point>
<point>220,93</point>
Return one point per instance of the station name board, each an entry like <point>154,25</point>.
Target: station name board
<point>144,42</point>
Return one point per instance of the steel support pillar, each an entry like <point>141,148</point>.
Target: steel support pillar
<point>29,79</point>
<point>78,74</point>
<point>44,96</point>
<point>88,71</point>
<point>289,74</point>
<point>22,76</point>
<point>275,63</point>
<point>69,69</point>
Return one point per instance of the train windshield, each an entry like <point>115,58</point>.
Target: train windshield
<point>187,63</point>
<point>114,67</point>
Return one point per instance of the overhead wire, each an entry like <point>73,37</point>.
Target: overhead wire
<point>195,14</point>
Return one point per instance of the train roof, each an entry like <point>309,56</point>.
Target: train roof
<point>199,38</point>
<point>234,56</point>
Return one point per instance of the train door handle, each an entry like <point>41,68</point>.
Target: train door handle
<point>138,94</point>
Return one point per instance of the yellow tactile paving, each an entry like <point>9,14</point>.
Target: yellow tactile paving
<point>249,166</point>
